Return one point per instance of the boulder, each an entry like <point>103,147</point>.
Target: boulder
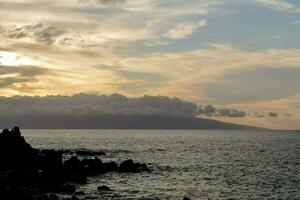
<point>73,164</point>
<point>92,166</point>
<point>104,188</point>
<point>130,166</point>
<point>110,167</point>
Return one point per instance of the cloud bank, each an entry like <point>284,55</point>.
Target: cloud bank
<point>212,111</point>
<point>94,105</point>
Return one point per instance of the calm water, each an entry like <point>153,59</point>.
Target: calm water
<point>197,164</point>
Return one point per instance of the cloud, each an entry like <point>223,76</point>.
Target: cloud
<point>269,114</point>
<point>232,113</point>
<point>37,32</point>
<point>184,29</point>
<point>273,114</point>
<point>14,77</point>
<point>110,38</point>
<point>211,111</point>
<point>131,5</point>
<point>94,105</point>
<point>281,5</point>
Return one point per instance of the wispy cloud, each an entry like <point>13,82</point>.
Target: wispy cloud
<point>37,32</point>
<point>281,5</point>
<point>184,29</point>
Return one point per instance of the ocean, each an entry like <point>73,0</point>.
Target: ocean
<point>199,164</point>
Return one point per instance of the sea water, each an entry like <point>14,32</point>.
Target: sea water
<point>199,164</point>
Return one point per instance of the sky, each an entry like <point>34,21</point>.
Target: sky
<point>240,56</point>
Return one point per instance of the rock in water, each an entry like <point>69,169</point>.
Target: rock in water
<point>104,188</point>
<point>130,166</point>
<point>29,174</point>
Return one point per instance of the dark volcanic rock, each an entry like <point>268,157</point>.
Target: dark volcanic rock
<point>73,165</point>
<point>92,166</point>
<point>28,174</point>
<point>130,166</point>
<point>15,152</point>
<point>104,188</point>
<point>110,167</point>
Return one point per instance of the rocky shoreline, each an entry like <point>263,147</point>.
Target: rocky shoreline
<point>31,174</point>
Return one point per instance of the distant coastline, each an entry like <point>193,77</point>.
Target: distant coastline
<point>85,111</point>
<point>122,122</point>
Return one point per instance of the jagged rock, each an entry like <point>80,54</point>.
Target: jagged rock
<point>110,166</point>
<point>92,166</point>
<point>73,166</point>
<point>130,166</point>
<point>15,152</point>
<point>28,174</point>
<point>104,188</point>
<point>186,198</point>
<point>74,170</point>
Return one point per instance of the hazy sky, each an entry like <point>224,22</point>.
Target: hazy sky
<point>237,54</point>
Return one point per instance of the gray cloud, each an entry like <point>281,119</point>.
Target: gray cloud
<point>24,74</point>
<point>41,33</point>
<point>232,113</point>
<point>95,105</point>
<point>273,114</point>
<point>211,111</point>
<point>259,115</point>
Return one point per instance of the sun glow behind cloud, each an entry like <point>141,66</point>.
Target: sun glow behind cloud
<point>13,59</point>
